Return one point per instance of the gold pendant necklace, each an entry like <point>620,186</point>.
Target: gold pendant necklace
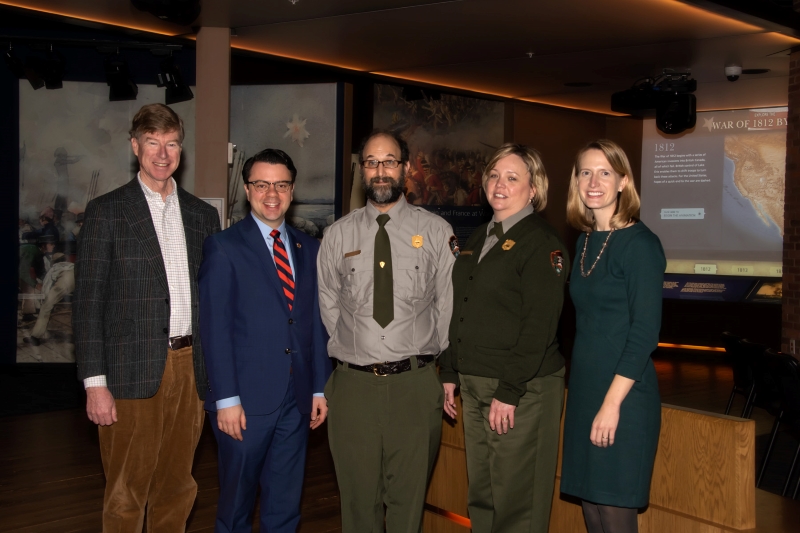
<point>583,255</point>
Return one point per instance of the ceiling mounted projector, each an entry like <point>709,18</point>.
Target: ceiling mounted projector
<point>669,94</point>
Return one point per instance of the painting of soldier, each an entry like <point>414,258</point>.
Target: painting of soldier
<point>74,146</point>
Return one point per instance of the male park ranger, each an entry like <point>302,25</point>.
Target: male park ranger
<point>386,300</point>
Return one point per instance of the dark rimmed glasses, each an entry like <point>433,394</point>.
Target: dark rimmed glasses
<point>374,163</point>
<point>263,186</point>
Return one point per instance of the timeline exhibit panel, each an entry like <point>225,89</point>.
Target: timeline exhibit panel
<point>714,195</point>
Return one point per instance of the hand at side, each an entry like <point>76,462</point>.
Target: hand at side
<point>100,406</point>
<point>319,411</point>
<point>231,421</point>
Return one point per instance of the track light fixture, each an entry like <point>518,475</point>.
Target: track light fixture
<point>14,63</point>
<point>120,85</point>
<point>20,70</point>
<point>51,69</point>
<point>43,66</point>
<point>171,78</point>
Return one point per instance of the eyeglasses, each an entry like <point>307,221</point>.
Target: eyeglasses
<point>374,163</point>
<point>263,186</point>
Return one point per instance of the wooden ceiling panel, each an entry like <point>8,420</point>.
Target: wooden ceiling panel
<point>252,13</point>
<point>107,12</point>
<point>483,30</point>
<point>542,78</point>
<point>482,45</point>
<point>748,92</point>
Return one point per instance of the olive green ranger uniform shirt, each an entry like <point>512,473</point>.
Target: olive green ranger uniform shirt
<point>423,292</point>
<point>509,300</point>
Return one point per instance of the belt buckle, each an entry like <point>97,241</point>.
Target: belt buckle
<point>375,370</point>
<point>175,341</point>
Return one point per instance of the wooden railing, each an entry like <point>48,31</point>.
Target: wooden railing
<point>703,479</point>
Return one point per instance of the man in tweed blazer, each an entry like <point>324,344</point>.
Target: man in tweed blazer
<point>135,324</point>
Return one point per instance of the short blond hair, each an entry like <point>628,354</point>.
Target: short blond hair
<point>581,217</point>
<point>533,162</point>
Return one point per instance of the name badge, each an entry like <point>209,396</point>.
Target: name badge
<point>351,254</point>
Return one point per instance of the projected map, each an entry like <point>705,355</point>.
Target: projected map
<point>759,167</point>
<point>714,194</point>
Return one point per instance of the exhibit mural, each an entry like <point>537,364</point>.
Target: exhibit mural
<point>301,121</point>
<point>450,139</point>
<point>73,146</point>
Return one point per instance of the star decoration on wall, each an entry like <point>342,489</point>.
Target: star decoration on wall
<point>297,129</point>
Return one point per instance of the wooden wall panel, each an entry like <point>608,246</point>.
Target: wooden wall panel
<point>557,134</point>
<point>432,522</point>
<point>448,487</point>
<point>627,132</point>
<point>703,480</point>
<point>656,520</point>
<point>705,467</point>
<point>565,516</point>
<point>453,431</point>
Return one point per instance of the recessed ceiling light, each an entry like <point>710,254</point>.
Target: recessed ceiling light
<point>755,70</point>
<point>578,84</point>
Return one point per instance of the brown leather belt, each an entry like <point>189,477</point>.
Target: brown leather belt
<point>176,343</point>
<point>394,367</point>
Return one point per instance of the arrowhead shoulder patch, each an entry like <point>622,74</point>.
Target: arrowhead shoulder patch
<point>557,261</point>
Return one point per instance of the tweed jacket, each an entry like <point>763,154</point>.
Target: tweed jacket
<point>121,308</point>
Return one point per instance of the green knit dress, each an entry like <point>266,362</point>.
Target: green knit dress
<point>618,309</point>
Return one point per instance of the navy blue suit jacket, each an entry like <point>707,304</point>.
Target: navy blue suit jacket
<point>250,338</point>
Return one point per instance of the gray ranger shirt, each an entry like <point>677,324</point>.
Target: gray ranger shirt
<point>423,291</point>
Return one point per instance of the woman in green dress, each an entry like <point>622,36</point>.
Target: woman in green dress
<point>613,413</point>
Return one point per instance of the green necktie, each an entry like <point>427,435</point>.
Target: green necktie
<point>382,297</point>
<point>497,229</point>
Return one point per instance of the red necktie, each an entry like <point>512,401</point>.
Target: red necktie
<point>282,264</point>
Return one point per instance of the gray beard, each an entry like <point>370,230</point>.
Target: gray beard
<point>386,195</point>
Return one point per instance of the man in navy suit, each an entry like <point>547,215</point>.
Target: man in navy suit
<point>265,351</point>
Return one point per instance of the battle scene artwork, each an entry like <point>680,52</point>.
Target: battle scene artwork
<point>450,139</point>
<point>73,146</point>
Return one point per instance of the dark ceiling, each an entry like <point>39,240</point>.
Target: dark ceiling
<point>527,50</point>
